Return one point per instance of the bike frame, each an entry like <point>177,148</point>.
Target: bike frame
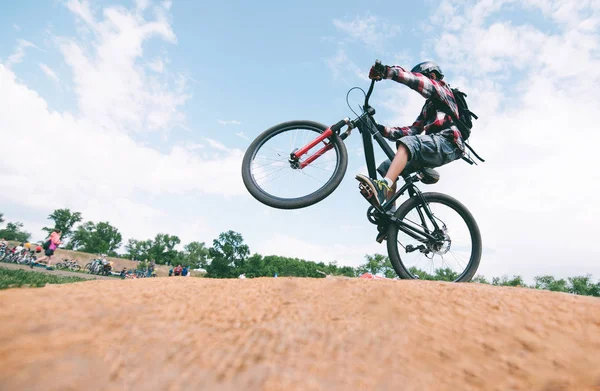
<point>367,126</point>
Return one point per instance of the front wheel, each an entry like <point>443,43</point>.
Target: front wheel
<point>277,180</point>
<point>455,253</point>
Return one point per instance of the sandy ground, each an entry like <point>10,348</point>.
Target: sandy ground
<point>296,334</point>
<point>58,272</point>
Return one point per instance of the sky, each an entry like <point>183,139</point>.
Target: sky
<point>139,113</point>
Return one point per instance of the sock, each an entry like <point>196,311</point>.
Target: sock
<point>388,181</point>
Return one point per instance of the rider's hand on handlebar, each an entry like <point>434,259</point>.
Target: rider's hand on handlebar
<point>378,71</point>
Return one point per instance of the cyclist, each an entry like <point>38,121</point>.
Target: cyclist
<point>54,243</point>
<point>431,141</point>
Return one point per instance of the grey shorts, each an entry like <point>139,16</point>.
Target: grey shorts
<point>425,151</point>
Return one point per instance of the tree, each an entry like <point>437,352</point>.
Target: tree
<point>373,264</point>
<point>377,264</point>
<point>480,279</point>
<point>162,249</point>
<point>581,285</point>
<point>1,218</point>
<point>228,255</point>
<point>64,220</point>
<point>138,249</point>
<point>100,238</point>
<point>195,255</point>
<point>550,283</point>
<point>13,231</point>
<point>505,281</point>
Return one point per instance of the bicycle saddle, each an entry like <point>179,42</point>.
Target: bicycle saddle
<point>428,176</point>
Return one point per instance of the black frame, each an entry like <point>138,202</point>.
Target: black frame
<point>367,126</point>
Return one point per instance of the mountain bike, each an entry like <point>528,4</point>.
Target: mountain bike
<point>418,228</point>
<point>68,264</point>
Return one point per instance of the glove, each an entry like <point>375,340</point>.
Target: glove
<point>378,72</point>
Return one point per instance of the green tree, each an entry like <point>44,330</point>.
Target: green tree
<point>64,220</point>
<point>583,285</point>
<point>228,255</point>
<point>195,255</point>
<point>550,283</point>
<point>14,231</point>
<point>1,218</point>
<point>374,265</point>
<point>480,279</point>
<point>100,238</point>
<point>163,250</point>
<point>505,281</point>
<point>377,264</point>
<point>138,249</point>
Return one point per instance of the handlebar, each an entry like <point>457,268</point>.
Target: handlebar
<point>377,62</point>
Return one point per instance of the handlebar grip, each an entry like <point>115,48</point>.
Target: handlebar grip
<point>338,126</point>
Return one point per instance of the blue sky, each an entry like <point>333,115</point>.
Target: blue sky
<point>142,110</point>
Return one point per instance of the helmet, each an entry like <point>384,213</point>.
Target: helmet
<point>428,67</point>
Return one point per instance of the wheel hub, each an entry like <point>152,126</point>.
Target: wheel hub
<point>442,244</point>
<point>294,161</point>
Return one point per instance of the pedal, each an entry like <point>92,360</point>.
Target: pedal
<point>365,191</point>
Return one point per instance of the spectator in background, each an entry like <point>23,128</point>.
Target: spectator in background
<point>18,248</point>
<point>178,270</point>
<point>151,267</point>
<point>184,271</point>
<point>54,243</point>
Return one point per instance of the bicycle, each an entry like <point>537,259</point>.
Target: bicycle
<point>68,264</point>
<point>430,233</point>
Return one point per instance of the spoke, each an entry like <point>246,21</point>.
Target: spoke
<point>283,159</point>
<point>320,168</point>
<point>271,173</point>
<point>269,164</point>
<point>310,176</point>
<point>458,261</point>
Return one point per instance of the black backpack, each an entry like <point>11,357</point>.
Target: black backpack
<point>464,123</point>
<point>46,245</point>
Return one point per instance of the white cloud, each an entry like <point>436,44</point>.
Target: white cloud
<point>112,89</point>
<point>49,72</point>
<point>242,135</point>
<point>344,69</point>
<point>19,52</point>
<point>369,30</point>
<point>89,160</point>
<point>157,65</point>
<point>216,144</point>
<point>16,27</point>
<point>229,122</point>
<point>142,4</point>
<point>535,91</point>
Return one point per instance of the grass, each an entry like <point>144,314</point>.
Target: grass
<point>19,278</point>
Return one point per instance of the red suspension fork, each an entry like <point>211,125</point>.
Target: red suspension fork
<point>326,134</point>
<point>316,155</point>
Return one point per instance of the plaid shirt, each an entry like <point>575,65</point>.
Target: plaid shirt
<point>430,120</point>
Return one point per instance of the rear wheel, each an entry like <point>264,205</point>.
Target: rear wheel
<point>280,182</point>
<point>453,256</point>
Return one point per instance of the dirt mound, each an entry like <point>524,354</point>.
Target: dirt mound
<point>287,334</point>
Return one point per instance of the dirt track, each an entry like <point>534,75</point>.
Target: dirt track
<point>288,334</point>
